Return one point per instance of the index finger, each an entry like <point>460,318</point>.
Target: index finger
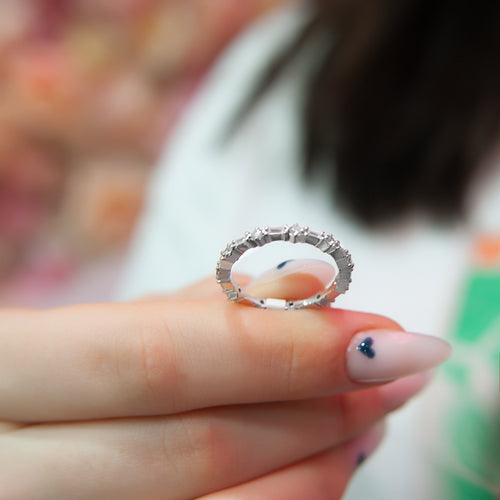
<point>161,357</point>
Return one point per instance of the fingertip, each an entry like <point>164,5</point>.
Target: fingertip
<point>360,448</point>
<point>293,279</point>
<point>395,394</point>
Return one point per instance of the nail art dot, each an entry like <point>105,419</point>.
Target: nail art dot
<point>366,348</point>
<point>361,458</point>
<point>283,264</point>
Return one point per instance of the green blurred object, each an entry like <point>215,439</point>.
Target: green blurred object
<point>481,307</point>
<point>470,423</point>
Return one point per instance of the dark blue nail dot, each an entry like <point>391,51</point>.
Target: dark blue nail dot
<point>283,264</point>
<point>361,458</point>
<point>366,347</point>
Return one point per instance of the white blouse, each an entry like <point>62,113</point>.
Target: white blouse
<point>207,192</point>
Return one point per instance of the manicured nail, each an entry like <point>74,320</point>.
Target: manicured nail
<point>361,447</point>
<point>382,355</point>
<point>397,393</point>
<point>318,268</point>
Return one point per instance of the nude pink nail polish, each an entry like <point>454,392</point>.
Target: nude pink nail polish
<point>383,355</point>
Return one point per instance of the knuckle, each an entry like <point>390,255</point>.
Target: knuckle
<point>136,360</point>
<point>296,353</point>
<point>207,444</point>
<point>280,355</point>
<point>312,359</point>
<point>154,367</point>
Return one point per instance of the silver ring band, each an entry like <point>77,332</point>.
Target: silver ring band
<point>293,234</point>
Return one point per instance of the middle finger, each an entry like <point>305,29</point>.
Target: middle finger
<point>187,455</point>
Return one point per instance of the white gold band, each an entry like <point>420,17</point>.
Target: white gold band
<point>293,234</point>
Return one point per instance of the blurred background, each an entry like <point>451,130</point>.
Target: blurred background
<point>89,91</point>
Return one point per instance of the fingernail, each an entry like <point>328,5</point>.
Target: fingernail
<point>382,355</point>
<point>396,393</point>
<point>320,269</point>
<point>361,447</point>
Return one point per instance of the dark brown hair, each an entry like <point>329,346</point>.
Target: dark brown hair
<point>404,104</point>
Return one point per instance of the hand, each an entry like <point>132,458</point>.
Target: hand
<point>192,395</point>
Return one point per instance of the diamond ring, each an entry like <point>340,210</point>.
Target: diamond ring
<point>293,234</point>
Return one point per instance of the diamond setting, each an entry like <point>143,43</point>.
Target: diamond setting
<point>325,242</point>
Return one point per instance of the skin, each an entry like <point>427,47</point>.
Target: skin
<point>182,397</point>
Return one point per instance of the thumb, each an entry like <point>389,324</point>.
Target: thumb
<point>290,280</point>
<point>293,280</point>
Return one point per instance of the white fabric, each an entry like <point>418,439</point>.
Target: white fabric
<point>206,193</point>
